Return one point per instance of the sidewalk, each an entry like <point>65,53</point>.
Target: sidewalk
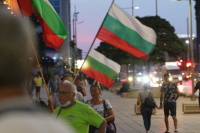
<point>128,122</point>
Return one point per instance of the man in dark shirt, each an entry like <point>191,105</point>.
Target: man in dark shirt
<point>170,93</point>
<point>196,88</point>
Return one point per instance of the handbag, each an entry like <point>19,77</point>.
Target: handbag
<point>149,102</point>
<point>111,128</point>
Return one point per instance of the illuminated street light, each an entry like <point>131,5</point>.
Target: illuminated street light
<point>187,41</point>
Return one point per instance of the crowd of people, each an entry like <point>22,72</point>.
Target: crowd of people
<point>72,113</point>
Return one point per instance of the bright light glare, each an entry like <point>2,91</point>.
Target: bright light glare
<point>140,73</point>
<point>136,7</point>
<point>150,75</point>
<point>79,63</point>
<point>187,41</point>
<point>180,78</point>
<point>138,79</point>
<point>54,58</point>
<point>180,88</point>
<point>130,79</point>
<point>146,79</point>
<point>170,79</point>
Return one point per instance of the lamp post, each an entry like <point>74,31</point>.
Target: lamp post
<point>156,7</point>
<point>132,8</point>
<point>75,37</point>
<point>191,48</point>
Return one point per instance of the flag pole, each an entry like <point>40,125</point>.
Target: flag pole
<point>41,74</point>
<point>40,68</point>
<point>93,42</point>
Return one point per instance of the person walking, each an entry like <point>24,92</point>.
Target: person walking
<point>53,85</point>
<point>145,111</point>
<point>38,84</point>
<point>98,105</point>
<point>79,86</point>
<point>78,114</point>
<point>30,87</point>
<point>170,93</point>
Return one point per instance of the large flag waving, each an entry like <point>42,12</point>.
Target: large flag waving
<point>122,30</point>
<point>54,31</point>
<point>100,68</point>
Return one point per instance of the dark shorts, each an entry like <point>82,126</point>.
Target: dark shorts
<point>38,89</point>
<point>170,107</point>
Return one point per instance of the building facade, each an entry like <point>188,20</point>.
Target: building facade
<point>62,8</point>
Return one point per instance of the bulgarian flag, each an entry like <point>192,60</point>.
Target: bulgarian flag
<point>123,31</point>
<point>54,31</point>
<point>100,68</point>
<point>85,82</point>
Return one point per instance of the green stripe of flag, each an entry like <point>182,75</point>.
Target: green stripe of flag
<point>101,67</point>
<point>127,34</point>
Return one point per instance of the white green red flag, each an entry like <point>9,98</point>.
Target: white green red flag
<point>54,31</point>
<point>123,31</point>
<point>100,68</point>
<point>85,82</point>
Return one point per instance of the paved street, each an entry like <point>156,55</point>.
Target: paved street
<point>128,122</point>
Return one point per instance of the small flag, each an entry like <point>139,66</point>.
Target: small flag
<point>125,32</point>
<point>85,82</point>
<point>100,68</point>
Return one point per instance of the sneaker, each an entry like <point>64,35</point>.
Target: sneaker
<point>166,132</point>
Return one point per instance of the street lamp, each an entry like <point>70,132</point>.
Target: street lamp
<point>132,8</point>
<point>191,47</point>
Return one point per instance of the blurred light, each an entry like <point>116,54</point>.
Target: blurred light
<point>138,79</point>
<point>180,78</point>
<point>183,73</point>
<point>70,58</point>
<point>54,58</point>
<point>187,76</point>
<point>165,44</point>
<point>130,79</point>
<point>140,73</point>
<point>154,72</point>
<point>170,79</point>
<point>187,41</point>
<point>8,8</point>
<point>12,12</point>
<point>136,7</point>
<point>46,58</point>
<point>5,2</point>
<point>30,58</point>
<point>79,63</point>
<point>151,76</point>
<point>61,57</point>
<point>145,79</point>
<point>181,60</point>
<point>180,88</point>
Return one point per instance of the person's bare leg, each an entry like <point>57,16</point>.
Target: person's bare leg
<point>166,123</point>
<point>175,122</point>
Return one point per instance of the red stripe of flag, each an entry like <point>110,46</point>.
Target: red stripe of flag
<point>109,37</point>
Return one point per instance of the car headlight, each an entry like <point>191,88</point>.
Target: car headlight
<point>170,79</point>
<point>138,79</point>
<point>130,79</point>
<point>180,78</point>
